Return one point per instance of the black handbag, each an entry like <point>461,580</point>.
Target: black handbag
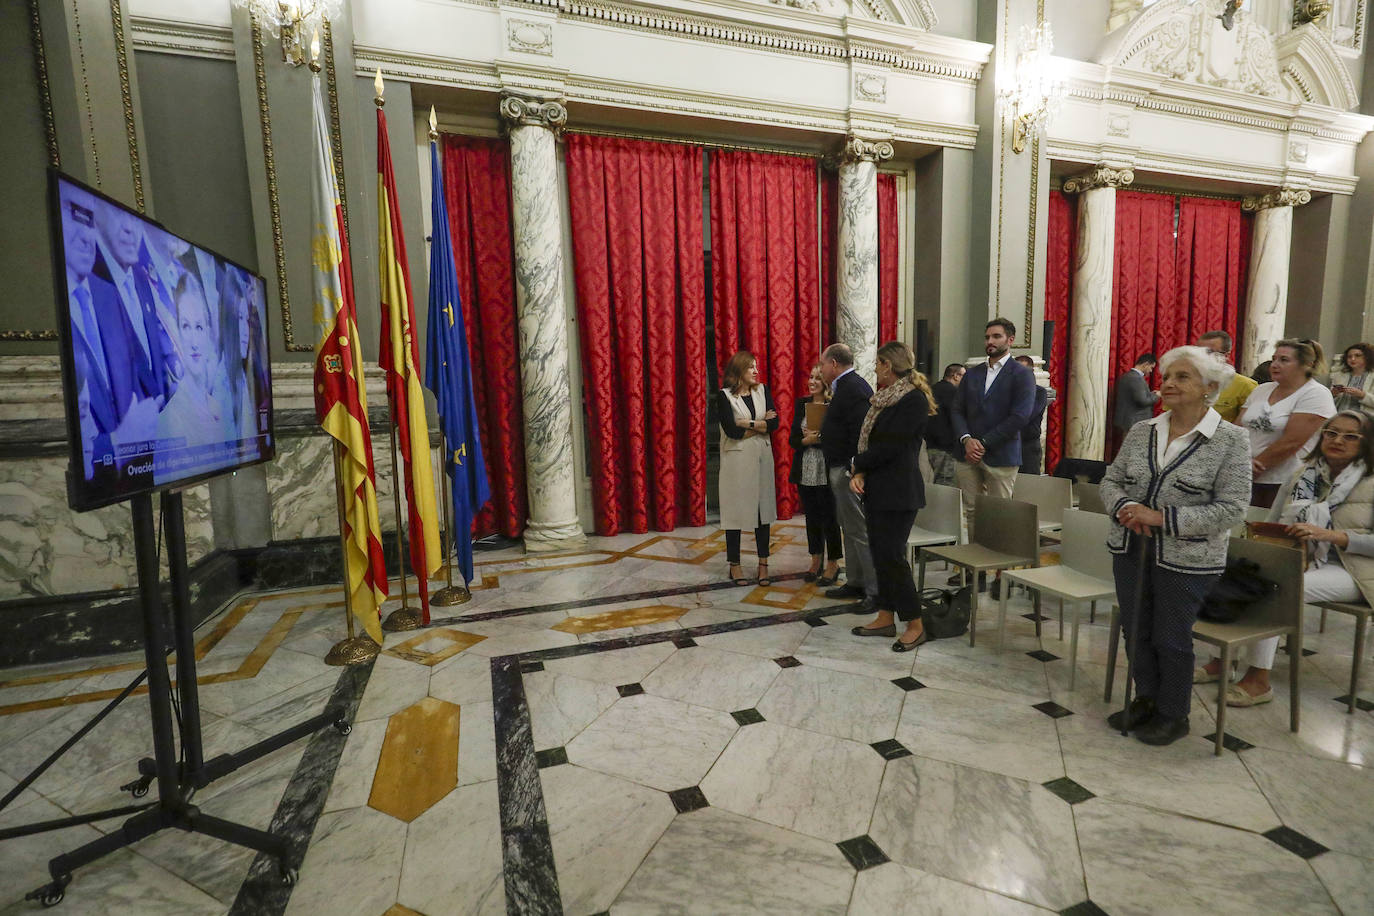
<point>1239,587</point>
<point>945,613</point>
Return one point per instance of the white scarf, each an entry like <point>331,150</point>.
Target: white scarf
<point>1306,504</point>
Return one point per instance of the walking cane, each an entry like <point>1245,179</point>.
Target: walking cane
<point>1142,546</point>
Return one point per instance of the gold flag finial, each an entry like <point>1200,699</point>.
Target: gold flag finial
<point>378,85</point>
<point>433,124</point>
<point>315,52</point>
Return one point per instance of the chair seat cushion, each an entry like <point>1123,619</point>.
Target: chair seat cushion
<point>1064,582</point>
<point>924,537</point>
<point>977,557</point>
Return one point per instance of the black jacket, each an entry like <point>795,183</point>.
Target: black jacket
<point>844,418</point>
<point>940,430</point>
<point>1030,433</point>
<point>794,439</point>
<point>892,477</point>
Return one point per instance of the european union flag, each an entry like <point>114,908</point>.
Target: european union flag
<point>448,373</point>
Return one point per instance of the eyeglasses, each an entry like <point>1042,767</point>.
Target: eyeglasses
<point>1332,435</point>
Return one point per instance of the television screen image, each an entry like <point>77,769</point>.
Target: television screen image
<point>164,348</point>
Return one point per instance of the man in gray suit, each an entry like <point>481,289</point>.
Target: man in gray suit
<point>1134,399</point>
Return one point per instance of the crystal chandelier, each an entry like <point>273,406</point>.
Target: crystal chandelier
<point>293,20</point>
<point>1034,94</point>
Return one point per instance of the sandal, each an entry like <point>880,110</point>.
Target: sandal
<point>737,580</point>
<point>763,573</point>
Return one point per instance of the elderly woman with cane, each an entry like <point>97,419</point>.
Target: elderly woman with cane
<point>1179,484</point>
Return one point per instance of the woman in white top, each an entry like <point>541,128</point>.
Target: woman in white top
<point>1353,383</point>
<point>1283,417</point>
<point>748,495</point>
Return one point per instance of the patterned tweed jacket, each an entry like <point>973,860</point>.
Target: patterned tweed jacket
<point>1202,494</point>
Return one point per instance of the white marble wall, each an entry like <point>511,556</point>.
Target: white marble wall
<point>535,193</point>
<point>301,483</point>
<point>1089,366</point>
<point>1266,312</point>
<point>856,318</point>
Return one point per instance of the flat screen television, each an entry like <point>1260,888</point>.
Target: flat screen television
<point>165,363</point>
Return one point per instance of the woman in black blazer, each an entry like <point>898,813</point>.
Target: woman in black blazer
<point>888,478</point>
<point>810,477</point>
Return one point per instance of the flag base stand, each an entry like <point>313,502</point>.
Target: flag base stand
<point>402,619</point>
<point>448,597</point>
<point>356,650</point>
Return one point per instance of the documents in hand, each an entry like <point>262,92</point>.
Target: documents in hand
<point>815,414</point>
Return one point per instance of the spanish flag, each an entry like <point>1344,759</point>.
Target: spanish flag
<point>400,359</point>
<point>340,389</point>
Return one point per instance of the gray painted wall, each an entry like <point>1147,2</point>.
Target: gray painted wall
<point>958,18</point>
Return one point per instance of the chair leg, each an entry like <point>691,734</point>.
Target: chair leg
<point>1035,612</point>
<point>1221,699</point>
<point>1073,642</point>
<point>1361,625</point>
<point>1092,612</point>
<point>1321,628</point>
<point>921,580</point>
<point>1061,619</point>
<point>1113,643</point>
<point>973,611</point>
<point>1294,680</point>
<point>1002,618</point>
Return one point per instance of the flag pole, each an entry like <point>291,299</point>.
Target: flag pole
<point>404,617</point>
<point>355,650</point>
<point>450,594</point>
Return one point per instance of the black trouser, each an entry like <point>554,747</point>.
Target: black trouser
<point>887,534</point>
<point>822,525</point>
<point>1162,658</point>
<point>1031,454</point>
<point>761,536</point>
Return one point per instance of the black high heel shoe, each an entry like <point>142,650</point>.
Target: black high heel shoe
<point>764,578</point>
<point>827,581</point>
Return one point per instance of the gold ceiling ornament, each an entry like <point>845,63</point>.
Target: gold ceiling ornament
<point>1305,11</point>
<point>1281,197</point>
<point>1100,177</point>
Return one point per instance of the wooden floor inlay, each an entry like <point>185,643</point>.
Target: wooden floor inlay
<point>617,620</point>
<point>419,760</point>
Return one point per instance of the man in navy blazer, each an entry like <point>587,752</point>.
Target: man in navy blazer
<point>994,403</point>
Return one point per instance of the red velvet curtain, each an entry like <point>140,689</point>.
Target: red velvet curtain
<point>636,209</point>
<point>830,244</point>
<point>887,258</point>
<point>477,185</point>
<point>765,276</point>
<point>1213,257</point>
<point>1058,308</point>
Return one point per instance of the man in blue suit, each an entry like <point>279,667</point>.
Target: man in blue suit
<point>994,403</point>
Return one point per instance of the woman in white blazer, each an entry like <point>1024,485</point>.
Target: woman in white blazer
<point>748,498</point>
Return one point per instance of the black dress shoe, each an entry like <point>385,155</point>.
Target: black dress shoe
<point>995,589</point>
<point>1142,711</point>
<point>845,591</point>
<point>1160,731</point>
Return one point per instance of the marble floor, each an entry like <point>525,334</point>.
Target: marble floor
<point>619,730</point>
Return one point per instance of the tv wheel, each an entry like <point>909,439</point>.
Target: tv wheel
<point>343,728</point>
<point>289,876</point>
<point>139,787</point>
<point>52,895</point>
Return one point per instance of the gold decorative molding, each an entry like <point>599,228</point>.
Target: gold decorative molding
<point>1026,329</point>
<point>27,336</point>
<point>40,63</point>
<point>1100,177</point>
<point>273,203</point>
<point>1282,197</point>
<point>126,96</point>
<point>518,111</point>
<point>86,90</point>
<point>335,134</point>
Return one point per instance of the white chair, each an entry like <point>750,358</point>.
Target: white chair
<point>1084,574</point>
<point>1090,497</point>
<point>1050,495</point>
<point>941,521</point>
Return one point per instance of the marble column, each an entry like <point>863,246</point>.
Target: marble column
<point>1091,326</point>
<point>1266,307</point>
<point>856,318</point>
<point>542,314</point>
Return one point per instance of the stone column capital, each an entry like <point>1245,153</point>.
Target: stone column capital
<point>1281,197</point>
<point>521,111</point>
<point>857,149</point>
<point>1100,177</point>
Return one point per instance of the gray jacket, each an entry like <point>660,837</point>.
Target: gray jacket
<point>1134,400</point>
<point>1202,494</point>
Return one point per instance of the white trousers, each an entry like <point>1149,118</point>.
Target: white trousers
<point>1327,583</point>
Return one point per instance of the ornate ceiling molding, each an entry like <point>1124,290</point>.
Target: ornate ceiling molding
<point>1282,197</point>
<point>191,39</point>
<point>1314,70</point>
<point>1101,177</point>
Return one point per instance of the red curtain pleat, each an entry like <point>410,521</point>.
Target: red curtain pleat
<point>1213,255</point>
<point>477,188</point>
<point>830,244</point>
<point>636,214</point>
<point>1060,252</point>
<point>765,271</point>
<point>887,258</point>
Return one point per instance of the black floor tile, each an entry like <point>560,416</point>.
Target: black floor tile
<point>1053,709</point>
<point>1068,790</point>
<point>688,799</point>
<point>1034,617</point>
<point>747,716</point>
<point>684,642</point>
<point>1307,652</point>
<point>1231,742</point>
<point>891,749</point>
<point>1295,842</point>
<point>551,757</point>
<point>630,690</point>
<point>787,661</point>
<point>816,622</point>
<point>531,667</point>
<point>1040,655</point>
<point>862,852</point>
<point>908,683</point>
<point>1360,702</point>
<point>1086,908</point>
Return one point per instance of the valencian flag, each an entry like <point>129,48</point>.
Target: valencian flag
<point>340,396</point>
<point>448,374</point>
<point>400,359</point>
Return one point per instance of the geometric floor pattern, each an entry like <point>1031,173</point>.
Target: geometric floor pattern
<point>621,731</point>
